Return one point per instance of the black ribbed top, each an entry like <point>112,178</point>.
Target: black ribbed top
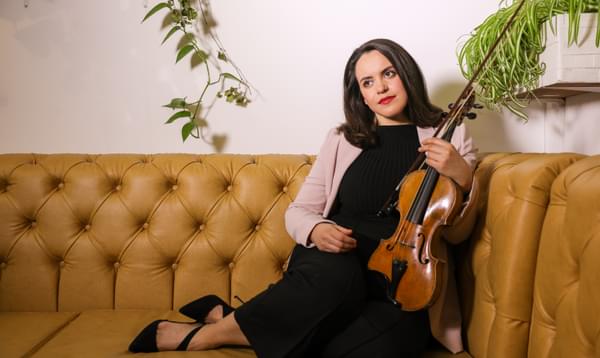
<point>370,180</point>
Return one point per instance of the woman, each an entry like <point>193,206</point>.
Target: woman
<point>328,304</point>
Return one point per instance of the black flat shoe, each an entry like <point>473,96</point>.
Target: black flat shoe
<point>145,342</point>
<point>200,308</point>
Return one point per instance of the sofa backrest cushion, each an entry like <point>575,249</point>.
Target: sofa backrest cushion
<point>496,271</point>
<point>141,231</point>
<point>566,314</point>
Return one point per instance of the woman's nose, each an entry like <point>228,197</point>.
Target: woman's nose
<point>382,87</point>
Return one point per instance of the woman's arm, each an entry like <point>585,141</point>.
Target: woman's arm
<point>306,211</point>
<point>456,160</point>
<point>304,219</point>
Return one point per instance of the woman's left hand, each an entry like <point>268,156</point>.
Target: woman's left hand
<point>444,158</point>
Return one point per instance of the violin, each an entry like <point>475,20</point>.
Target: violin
<point>426,201</point>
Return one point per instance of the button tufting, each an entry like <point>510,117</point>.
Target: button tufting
<point>117,264</point>
<point>61,185</point>
<point>3,265</point>
<point>118,187</point>
<point>229,188</point>
<point>257,227</point>
<point>174,266</point>
<point>174,187</point>
<point>61,264</point>
<point>231,265</point>
<point>145,226</point>
<point>201,227</point>
<point>33,223</point>
<point>285,189</point>
<point>88,227</point>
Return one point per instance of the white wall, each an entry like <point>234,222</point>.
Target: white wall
<point>86,76</point>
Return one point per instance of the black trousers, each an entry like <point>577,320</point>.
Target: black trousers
<point>322,308</point>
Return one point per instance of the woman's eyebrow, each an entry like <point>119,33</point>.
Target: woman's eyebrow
<point>382,71</point>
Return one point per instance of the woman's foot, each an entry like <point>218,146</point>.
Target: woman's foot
<point>200,309</point>
<point>214,315</point>
<point>163,335</point>
<point>170,335</point>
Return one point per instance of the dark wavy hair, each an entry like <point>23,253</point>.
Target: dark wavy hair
<point>359,128</point>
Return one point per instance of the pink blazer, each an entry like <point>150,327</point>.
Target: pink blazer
<point>317,194</point>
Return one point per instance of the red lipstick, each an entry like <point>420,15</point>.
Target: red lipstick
<point>386,100</point>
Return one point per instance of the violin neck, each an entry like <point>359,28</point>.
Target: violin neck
<point>417,210</point>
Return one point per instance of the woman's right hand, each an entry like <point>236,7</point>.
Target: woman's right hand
<point>332,238</point>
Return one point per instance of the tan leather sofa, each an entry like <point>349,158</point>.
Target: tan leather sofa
<point>94,247</point>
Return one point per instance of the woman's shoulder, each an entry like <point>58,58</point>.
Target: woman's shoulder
<point>336,142</point>
<point>334,136</point>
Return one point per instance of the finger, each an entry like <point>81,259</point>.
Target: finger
<point>344,230</point>
<point>429,149</point>
<point>436,157</point>
<point>434,164</point>
<point>342,234</point>
<point>343,243</point>
<point>439,147</point>
<point>346,241</point>
<point>346,247</point>
<point>333,249</point>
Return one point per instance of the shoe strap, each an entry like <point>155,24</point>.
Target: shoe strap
<point>186,341</point>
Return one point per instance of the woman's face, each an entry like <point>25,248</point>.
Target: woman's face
<point>381,88</point>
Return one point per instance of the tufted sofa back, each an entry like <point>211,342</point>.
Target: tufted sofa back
<point>114,231</point>
<point>566,318</point>
<point>497,268</point>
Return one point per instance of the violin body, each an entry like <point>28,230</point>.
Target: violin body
<point>408,258</point>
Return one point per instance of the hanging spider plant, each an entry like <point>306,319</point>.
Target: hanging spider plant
<point>184,17</point>
<point>515,68</point>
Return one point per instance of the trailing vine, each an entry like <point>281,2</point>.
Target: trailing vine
<point>189,19</point>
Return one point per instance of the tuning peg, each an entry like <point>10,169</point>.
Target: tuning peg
<point>471,115</point>
<point>450,105</point>
<point>477,106</point>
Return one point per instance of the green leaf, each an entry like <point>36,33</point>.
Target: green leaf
<point>187,129</point>
<point>184,51</point>
<point>178,115</point>
<point>176,103</point>
<point>186,39</point>
<point>221,56</point>
<point>198,58</point>
<point>155,9</point>
<point>230,76</point>
<point>173,30</point>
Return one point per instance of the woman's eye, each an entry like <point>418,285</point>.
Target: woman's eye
<point>367,83</point>
<point>389,73</point>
